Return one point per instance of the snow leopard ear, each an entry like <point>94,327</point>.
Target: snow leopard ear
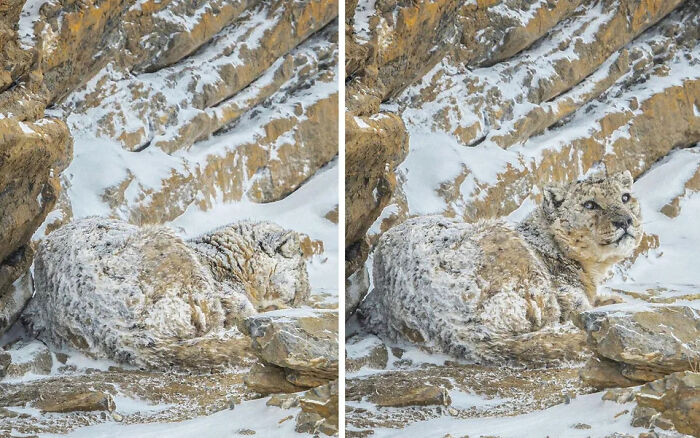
<point>553,196</point>
<point>624,178</point>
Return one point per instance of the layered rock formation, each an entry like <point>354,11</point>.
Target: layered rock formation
<point>640,344</point>
<point>303,342</point>
<point>670,403</point>
<point>33,151</point>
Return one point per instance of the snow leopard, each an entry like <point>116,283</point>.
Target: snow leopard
<point>492,290</point>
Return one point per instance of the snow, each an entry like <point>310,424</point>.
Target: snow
<point>364,10</point>
<point>128,405</point>
<point>673,265</point>
<point>603,417</point>
<point>267,421</point>
<point>27,18</point>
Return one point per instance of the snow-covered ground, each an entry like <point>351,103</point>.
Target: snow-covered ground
<point>603,417</point>
<point>253,415</point>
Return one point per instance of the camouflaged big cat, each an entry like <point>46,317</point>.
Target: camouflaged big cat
<point>491,291</point>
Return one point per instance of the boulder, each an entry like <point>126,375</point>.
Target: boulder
<point>32,155</point>
<point>671,401</point>
<point>13,299</point>
<point>269,379</point>
<point>135,295</point>
<point>305,341</point>
<point>374,147</point>
<point>650,340</point>
<point>319,410</point>
<point>365,352</point>
<point>420,395</point>
<point>77,401</point>
<point>356,288</point>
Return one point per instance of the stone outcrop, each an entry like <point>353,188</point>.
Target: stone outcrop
<point>269,379</point>
<point>33,150</point>
<point>414,392</point>
<point>319,410</point>
<point>14,298</point>
<point>146,297</point>
<point>81,401</point>
<point>302,341</point>
<point>636,345</point>
<point>240,103</point>
<point>670,403</point>
<point>26,358</point>
<point>374,146</point>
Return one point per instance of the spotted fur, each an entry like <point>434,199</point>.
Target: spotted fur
<point>490,291</point>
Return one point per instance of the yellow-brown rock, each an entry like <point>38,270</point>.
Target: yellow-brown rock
<point>675,398</point>
<point>374,146</point>
<point>81,401</point>
<point>31,156</point>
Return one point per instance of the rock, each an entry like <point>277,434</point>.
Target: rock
<point>165,75</point>
<point>495,391</point>
<point>356,288</point>
<point>421,395</point>
<point>139,396</point>
<point>619,395</point>
<point>13,299</point>
<point>80,401</point>
<point>658,339</point>
<point>277,87</point>
<point>263,258</point>
<point>28,358</point>
<point>676,398</point>
<point>135,295</point>
<point>365,352</point>
<point>304,379</point>
<point>269,379</point>
<point>304,341</point>
<point>319,410</point>
<point>284,401</point>
<point>33,154</point>
<point>374,146</point>
<point>5,361</point>
<point>604,373</point>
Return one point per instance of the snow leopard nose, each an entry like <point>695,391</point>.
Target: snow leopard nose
<point>623,223</point>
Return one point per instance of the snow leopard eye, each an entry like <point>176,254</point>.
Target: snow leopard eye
<point>590,205</point>
<point>626,197</point>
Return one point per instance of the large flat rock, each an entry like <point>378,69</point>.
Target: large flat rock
<point>301,340</point>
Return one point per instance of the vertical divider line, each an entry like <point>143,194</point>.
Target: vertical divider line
<point>341,218</point>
